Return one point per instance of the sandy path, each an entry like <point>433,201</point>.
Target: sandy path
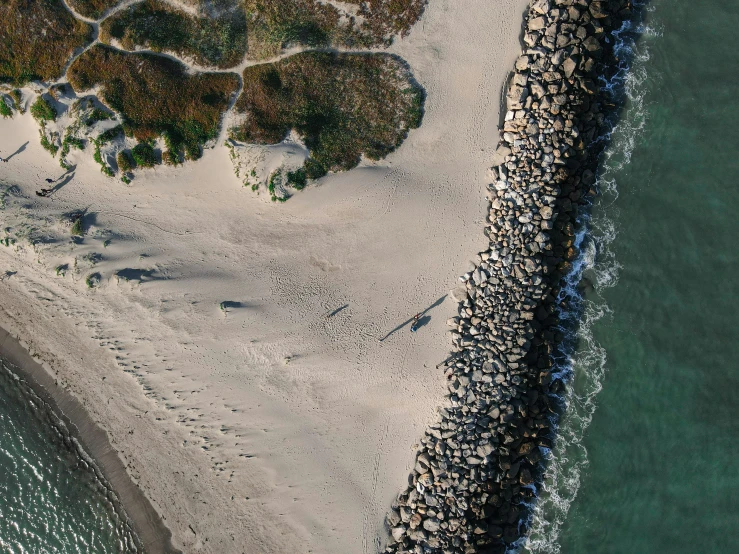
<point>269,428</point>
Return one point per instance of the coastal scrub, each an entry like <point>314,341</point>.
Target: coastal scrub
<point>274,25</point>
<point>5,109</point>
<point>93,9</point>
<point>343,106</point>
<point>42,110</point>
<point>156,96</point>
<point>36,40</point>
<point>156,25</point>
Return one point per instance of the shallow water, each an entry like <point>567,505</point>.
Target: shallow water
<point>646,459</point>
<point>50,499</point>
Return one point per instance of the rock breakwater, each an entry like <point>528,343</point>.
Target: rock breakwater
<point>478,468</point>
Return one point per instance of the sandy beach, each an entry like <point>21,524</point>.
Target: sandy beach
<point>250,419</point>
<point>147,524</point>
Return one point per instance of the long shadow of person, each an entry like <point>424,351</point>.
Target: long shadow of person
<point>423,321</point>
<point>422,317</point>
<point>67,177</point>
<point>20,149</point>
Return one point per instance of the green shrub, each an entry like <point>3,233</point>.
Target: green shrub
<point>78,227</point>
<point>297,179</point>
<point>170,158</point>
<point>156,96</point>
<point>93,280</point>
<point>98,157</point>
<point>17,96</point>
<point>144,155</point>
<point>98,115</point>
<point>42,110</point>
<point>125,161</point>
<point>343,106</point>
<point>5,110</point>
<point>75,142</point>
<point>71,142</point>
<point>314,169</point>
<point>110,134</point>
<point>48,145</point>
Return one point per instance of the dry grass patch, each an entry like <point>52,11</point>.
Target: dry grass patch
<point>156,25</point>
<point>274,25</point>
<point>37,37</point>
<point>156,97</point>
<point>94,9</point>
<point>385,18</point>
<point>342,106</point>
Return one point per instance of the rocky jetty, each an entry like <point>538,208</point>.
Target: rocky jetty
<point>478,468</point>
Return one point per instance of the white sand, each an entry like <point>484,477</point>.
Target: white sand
<point>255,453</point>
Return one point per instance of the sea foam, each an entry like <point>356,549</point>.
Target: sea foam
<point>584,364</point>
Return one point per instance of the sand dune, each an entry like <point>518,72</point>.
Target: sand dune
<point>252,421</point>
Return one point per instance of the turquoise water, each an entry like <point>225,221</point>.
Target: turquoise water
<point>647,461</point>
<point>50,499</point>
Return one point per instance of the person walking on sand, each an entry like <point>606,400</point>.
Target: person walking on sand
<point>49,180</point>
<point>43,192</point>
<point>414,325</point>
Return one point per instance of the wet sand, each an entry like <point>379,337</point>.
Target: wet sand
<point>132,504</point>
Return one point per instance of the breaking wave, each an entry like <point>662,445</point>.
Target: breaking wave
<point>584,365</point>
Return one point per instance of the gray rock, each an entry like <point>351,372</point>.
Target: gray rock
<point>592,45</point>
<point>459,294</point>
<point>500,154</point>
<point>537,23</point>
<point>541,6</point>
<point>598,10</point>
<point>418,535</point>
<point>431,525</point>
<point>484,450</point>
<point>569,66</point>
<point>530,266</point>
<point>522,63</point>
<point>398,533</point>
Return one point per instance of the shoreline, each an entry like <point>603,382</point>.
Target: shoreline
<point>129,500</point>
<point>481,465</point>
<point>265,425</point>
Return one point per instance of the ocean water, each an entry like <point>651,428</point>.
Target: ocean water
<point>51,501</point>
<point>647,458</point>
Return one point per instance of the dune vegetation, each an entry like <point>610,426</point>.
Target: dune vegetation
<point>343,106</point>
<point>94,9</point>
<point>274,25</point>
<point>383,19</point>
<point>220,35</point>
<point>155,96</point>
<point>36,40</point>
<point>158,26</point>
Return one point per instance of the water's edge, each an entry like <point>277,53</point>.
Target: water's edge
<point>478,473</point>
<point>128,499</point>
